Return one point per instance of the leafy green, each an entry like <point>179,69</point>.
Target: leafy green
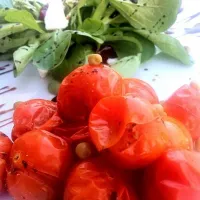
<point>168,45</point>
<point>24,55</point>
<point>52,52</point>
<point>76,56</point>
<point>24,17</point>
<point>153,15</point>
<point>127,66</point>
<point>11,28</point>
<point>6,4</point>
<point>100,10</point>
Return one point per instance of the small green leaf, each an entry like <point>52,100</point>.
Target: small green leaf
<point>53,86</point>
<point>52,52</point>
<point>24,17</point>
<point>23,56</point>
<point>152,15</point>
<point>127,66</point>
<point>168,45</point>
<point>6,4</point>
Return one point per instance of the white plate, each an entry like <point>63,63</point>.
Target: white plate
<point>164,73</point>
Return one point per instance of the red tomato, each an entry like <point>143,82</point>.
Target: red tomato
<point>140,145</point>
<point>175,176</point>
<point>139,88</point>
<point>94,180</point>
<point>84,87</point>
<point>28,185</point>
<point>109,118</point>
<point>2,174</point>
<point>179,136</point>
<point>30,115</point>
<point>43,151</point>
<point>5,145</point>
<point>184,105</point>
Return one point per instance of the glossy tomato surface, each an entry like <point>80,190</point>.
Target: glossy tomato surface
<point>111,115</point>
<point>175,176</point>
<point>184,105</point>
<point>139,88</point>
<point>31,114</point>
<point>5,146</point>
<point>41,151</point>
<point>94,180</point>
<point>84,87</point>
<point>2,175</point>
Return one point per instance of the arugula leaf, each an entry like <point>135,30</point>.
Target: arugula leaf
<point>23,56</point>
<point>94,27</point>
<point>24,17</point>
<point>153,15</point>
<point>11,28</point>
<point>6,4</point>
<point>100,10</point>
<point>76,56</point>
<point>52,52</point>
<point>168,45</point>
<point>127,66</point>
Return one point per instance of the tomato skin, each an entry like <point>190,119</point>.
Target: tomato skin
<point>27,185</point>
<point>2,175</point>
<point>110,116</point>
<point>175,175</point>
<point>184,105</point>
<point>139,88</point>
<point>5,146</point>
<point>140,145</point>
<point>30,115</point>
<point>179,136</point>
<point>43,151</point>
<point>83,88</point>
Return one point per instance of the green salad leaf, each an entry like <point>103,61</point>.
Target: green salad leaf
<point>6,4</point>
<point>168,45</point>
<point>52,52</point>
<point>24,17</point>
<point>153,15</point>
<point>127,66</point>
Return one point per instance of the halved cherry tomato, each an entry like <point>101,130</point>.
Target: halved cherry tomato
<point>2,175</point>
<point>31,114</point>
<point>175,176</point>
<point>5,146</point>
<point>108,119</point>
<point>184,105</point>
<point>140,145</point>
<point>95,180</point>
<point>84,87</point>
<point>179,136</point>
<point>41,151</point>
<point>139,88</point>
<point>29,186</point>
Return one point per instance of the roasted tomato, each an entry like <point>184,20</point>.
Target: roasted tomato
<point>5,146</point>
<point>30,186</point>
<point>179,136</point>
<point>139,88</point>
<point>84,87</point>
<point>30,115</point>
<point>41,151</point>
<point>95,180</point>
<point>175,176</point>
<point>2,175</point>
<point>140,145</point>
<point>109,118</point>
<point>184,105</point>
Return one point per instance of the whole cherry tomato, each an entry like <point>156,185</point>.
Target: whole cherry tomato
<point>2,175</point>
<point>111,115</point>
<point>184,105</point>
<point>94,180</point>
<point>41,151</point>
<point>175,176</point>
<point>179,136</point>
<point>30,115</point>
<point>5,146</point>
<point>139,88</point>
<point>84,87</point>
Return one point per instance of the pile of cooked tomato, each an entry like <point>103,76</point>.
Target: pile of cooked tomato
<point>106,138</point>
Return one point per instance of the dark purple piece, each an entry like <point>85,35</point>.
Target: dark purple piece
<point>43,11</point>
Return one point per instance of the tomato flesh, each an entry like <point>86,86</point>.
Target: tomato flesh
<point>5,146</point>
<point>2,175</point>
